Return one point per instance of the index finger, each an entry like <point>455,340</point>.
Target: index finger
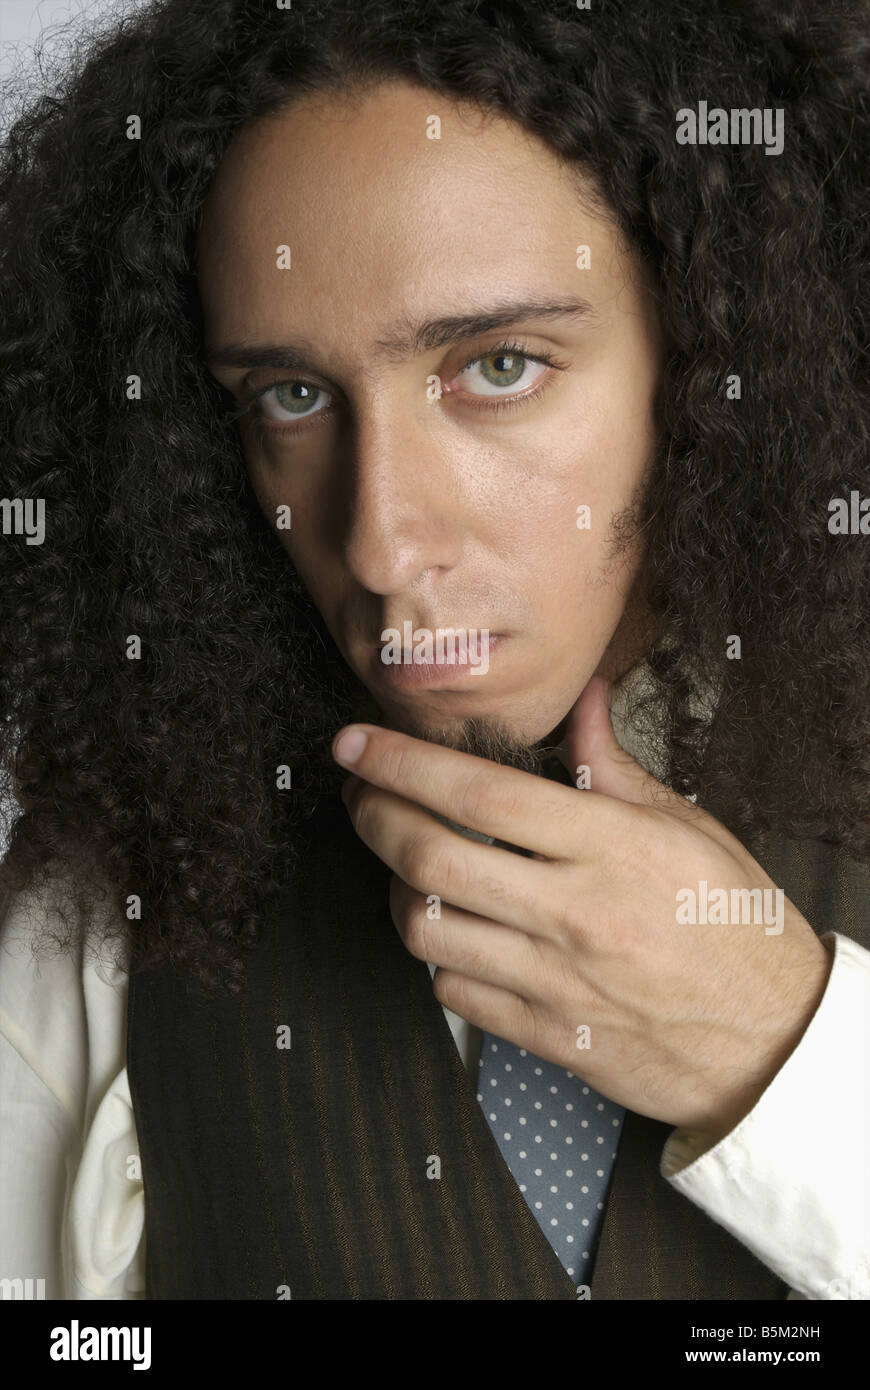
<point>516,807</point>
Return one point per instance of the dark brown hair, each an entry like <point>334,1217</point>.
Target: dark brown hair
<point>160,774</point>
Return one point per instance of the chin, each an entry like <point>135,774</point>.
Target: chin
<point>519,718</point>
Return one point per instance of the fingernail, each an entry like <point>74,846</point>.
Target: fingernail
<point>350,746</point>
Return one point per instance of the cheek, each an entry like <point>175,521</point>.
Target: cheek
<point>579,579</point>
<point>271,496</point>
<point>587,480</point>
<point>290,479</point>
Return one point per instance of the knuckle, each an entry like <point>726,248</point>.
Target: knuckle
<point>562,812</point>
<point>532,1028</point>
<point>481,800</point>
<point>476,962</point>
<point>541,964</point>
<point>564,918</point>
<point>393,763</point>
<point>422,858</point>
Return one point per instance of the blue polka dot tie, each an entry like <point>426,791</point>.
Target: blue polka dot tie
<point>557,1136</point>
<point>559,1139</point>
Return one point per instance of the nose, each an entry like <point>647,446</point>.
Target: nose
<point>404,509</point>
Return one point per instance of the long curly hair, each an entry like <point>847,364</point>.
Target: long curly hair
<point>156,777</point>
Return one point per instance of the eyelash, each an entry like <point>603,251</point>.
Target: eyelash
<point>265,430</point>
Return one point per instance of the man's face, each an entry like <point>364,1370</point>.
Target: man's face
<point>451,511</point>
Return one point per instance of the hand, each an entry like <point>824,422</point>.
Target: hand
<point>687,1023</point>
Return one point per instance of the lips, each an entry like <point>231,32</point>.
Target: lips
<point>442,673</point>
<point>450,655</point>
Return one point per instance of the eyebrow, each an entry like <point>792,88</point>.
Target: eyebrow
<point>409,339</point>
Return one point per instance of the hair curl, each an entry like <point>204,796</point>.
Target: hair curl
<point>158,775</point>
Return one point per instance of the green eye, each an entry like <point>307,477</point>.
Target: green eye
<point>508,369</point>
<point>505,366</point>
<point>296,397</point>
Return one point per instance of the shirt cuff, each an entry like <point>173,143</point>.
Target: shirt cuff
<point>790,1180</point>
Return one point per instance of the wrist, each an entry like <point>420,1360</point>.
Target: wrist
<point>809,988</point>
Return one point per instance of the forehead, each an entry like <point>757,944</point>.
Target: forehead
<point>380,218</point>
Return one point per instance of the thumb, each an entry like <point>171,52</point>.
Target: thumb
<point>592,753</point>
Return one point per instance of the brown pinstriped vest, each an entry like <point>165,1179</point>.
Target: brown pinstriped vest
<point>357,1163</point>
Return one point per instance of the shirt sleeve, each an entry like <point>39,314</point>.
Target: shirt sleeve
<point>790,1181</point>
<point>36,1135</point>
<point>71,1196</point>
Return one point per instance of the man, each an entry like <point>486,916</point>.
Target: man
<point>447,362</point>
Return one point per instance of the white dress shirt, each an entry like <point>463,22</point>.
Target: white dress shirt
<point>790,1181</point>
